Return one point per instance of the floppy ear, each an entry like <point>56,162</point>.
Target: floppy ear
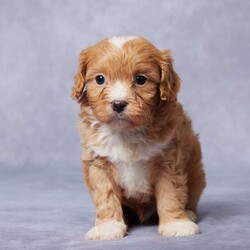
<point>78,89</point>
<point>170,81</point>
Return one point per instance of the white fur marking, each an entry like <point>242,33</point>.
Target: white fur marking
<point>178,228</point>
<point>118,91</point>
<point>129,151</point>
<point>134,179</point>
<point>107,230</point>
<point>119,41</point>
<point>127,147</point>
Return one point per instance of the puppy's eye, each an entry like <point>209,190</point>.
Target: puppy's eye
<point>140,79</point>
<point>100,79</point>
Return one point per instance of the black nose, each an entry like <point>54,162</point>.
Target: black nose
<point>119,106</point>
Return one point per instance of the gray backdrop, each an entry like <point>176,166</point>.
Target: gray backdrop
<point>39,144</point>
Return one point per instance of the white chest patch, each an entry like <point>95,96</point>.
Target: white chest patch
<point>119,41</point>
<point>133,178</point>
<point>130,152</point>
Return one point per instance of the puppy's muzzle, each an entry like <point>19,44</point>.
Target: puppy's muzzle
<point>119,106</point>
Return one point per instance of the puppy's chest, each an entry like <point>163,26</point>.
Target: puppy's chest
<point>130,154</point>
<point>134,179</point>
<point>125,147</point>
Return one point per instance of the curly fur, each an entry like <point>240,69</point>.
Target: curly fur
<point>146,158</point>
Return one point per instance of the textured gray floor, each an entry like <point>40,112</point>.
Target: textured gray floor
<point>52,210</point>
<point>43,202</point>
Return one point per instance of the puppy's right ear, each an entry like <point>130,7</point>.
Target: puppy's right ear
<point>170,81</point>
<point>78,89</point>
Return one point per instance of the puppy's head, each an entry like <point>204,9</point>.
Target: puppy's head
<point>123,80</point>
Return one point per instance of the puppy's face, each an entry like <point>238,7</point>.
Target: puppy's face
<point>123,79</point>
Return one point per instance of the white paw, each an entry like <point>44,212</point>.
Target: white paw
<point>107,231</point>
<point>178,228</point>
<point>191,215</point>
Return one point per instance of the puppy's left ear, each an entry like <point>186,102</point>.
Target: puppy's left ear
<point>170,81</point>
<point>79,88</point>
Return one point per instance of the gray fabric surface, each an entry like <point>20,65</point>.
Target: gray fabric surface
<point>51,209</point>
<point>43,202</point>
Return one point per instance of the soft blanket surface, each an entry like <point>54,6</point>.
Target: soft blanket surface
<point>52,209</point>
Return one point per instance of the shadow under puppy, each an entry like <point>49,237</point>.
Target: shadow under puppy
<point>138,147</point>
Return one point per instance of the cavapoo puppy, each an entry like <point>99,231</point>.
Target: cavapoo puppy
<point>139,151</point>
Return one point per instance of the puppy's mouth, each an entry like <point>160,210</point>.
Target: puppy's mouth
<point>120,122</point>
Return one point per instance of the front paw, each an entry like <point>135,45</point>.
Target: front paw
<point>107,230</point>
<point>178,228</point>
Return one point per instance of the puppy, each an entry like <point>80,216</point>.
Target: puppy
<point>139,151</point>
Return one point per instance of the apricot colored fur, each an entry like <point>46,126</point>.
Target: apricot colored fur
<point>154,122</point>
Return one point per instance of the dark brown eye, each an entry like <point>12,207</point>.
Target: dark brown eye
<point>140,79</point>
<point>100,79</point>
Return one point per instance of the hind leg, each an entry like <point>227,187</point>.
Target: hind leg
<point>196,177</point>
<point>196,184</point>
